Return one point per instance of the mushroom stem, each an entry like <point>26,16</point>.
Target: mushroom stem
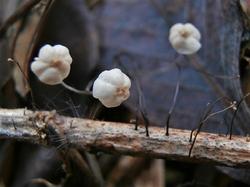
<point>82,92</point>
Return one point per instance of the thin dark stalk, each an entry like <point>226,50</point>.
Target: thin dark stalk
<point>73,108</point>
<point>207,110</point>
<point>142,107</point>
<point>177,88</point>
<point>206,117</point>
<point>235,113</point>
<point>220,111</point>
<point>137,119</point>
<point>96,110</point>
<point>141,101</point>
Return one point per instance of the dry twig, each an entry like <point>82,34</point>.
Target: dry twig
<point>19,13</point>
<point>120,138</point>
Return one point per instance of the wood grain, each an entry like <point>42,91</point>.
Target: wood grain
<point>47,128</point>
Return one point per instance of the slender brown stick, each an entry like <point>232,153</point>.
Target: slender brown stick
<point>120,138</point>
<point>206,117</point>
<point>19,13</point>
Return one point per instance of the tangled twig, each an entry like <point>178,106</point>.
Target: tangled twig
<point>205,117</point>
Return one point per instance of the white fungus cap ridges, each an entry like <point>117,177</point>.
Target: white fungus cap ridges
<point>185,38</point>
<point>112,87</point>
<point>52,65</point>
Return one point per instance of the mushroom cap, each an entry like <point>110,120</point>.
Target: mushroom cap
<point>112,87</point>
<point>185,38</point>
<point>52,65</point>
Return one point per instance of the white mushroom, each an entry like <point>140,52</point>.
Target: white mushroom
<point>112,87</point>
<point>52,65</point>
<point>185,38</point>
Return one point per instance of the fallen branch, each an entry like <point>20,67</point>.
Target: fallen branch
<point>47,128</point>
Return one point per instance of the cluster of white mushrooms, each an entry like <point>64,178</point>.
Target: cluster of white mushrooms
<point>111,87</point>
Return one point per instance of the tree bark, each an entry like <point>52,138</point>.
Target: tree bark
<point>50,129</point>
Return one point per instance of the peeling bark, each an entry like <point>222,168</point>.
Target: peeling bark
<point>47,128</point>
